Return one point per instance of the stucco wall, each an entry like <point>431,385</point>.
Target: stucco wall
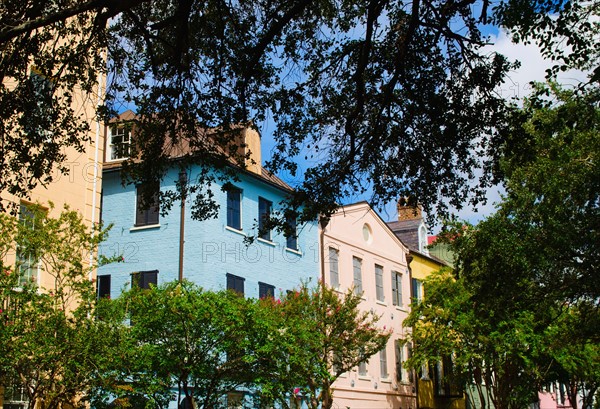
<point>381,247</point>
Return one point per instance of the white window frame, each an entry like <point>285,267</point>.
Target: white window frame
<point>110,151</point>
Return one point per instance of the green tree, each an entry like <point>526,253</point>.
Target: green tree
<point>185,338</point>
<point>490,351</point>
<point>388,96</point>
<point>524,298</point>
<point>51,345</point>
<point>319,335</point>
<point>207,345</point>
<point>574,354</point>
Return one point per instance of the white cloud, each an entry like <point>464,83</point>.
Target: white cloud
<point>533,68</point>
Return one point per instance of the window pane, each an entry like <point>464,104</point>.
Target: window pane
<point>400,375</point>
<point>417,288</point>
<point>103,286</point>
<point>357,264</point>
<point>143,279</point>
<point>235,283</point>
<point>234,214</point>
<point>362,369</point>
<point>120,143</point>
<point>333,267</point>
<point>379,282</point>
<point>383,363</point>
<point>27,259</point>
<point>264,212</point>
<point>292,240</point>
<point>147,213</point>
<point>265,290</point>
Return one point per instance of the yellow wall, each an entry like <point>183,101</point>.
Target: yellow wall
<point>428,401</point>
<point>81,188</point>
<point>421,267</point>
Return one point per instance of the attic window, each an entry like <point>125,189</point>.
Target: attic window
<point>367,233</point>
<point>120,143</point>
<point>423,240</point>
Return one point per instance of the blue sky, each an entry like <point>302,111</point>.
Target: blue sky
<point>533,68</point>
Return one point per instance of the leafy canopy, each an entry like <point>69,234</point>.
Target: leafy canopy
<point>385,96</point>
<point>521,309</point>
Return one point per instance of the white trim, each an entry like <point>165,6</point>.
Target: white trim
<point>268,242</point>
<point>96,164</point>
<point>234,230</point>
<point>146,227</point>
<point>294,251</point>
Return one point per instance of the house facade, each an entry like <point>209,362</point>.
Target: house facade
<point>432,391</point>
<point>159,248</point>
<point>361,252</point>
<point>80,189</point>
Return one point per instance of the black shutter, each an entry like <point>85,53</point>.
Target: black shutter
<point>265,290</point>
<point>235,283</point>
<point>394,288</point>
<point>147,213</point>
<point>234,217</point>
<point>292,239</point>
<point>143,279</point>
<point>264,213</point>
<point>149,277</point>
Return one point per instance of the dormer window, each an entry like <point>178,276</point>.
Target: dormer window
<point>119,143</point>
<point>423,240</point>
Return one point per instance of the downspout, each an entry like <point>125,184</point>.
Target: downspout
<point>96,164</point>
<point>323,222</point>
<point>409,259</point>
<point>183,186</point>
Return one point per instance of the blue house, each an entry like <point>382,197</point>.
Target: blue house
<point>210,253</point>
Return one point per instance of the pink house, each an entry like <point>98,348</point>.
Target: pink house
<point>360,251</point>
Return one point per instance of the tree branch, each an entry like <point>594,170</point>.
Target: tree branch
<point>114,7</point>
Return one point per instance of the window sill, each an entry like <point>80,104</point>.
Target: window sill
<point>382,303</point>
<point>267,242</point>
<point>399,308</point>
<point>364,377</point>
<point>146,227</point>
<point>386,380</point>
<point>293,251</point>
<point>236,231</point>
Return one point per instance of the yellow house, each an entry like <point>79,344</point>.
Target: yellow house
<point>80,189</point>
<point>432,392</point>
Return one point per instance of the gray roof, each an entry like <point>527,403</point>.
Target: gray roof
<point>407,231</point>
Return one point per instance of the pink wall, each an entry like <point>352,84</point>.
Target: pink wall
<point>357,231</point>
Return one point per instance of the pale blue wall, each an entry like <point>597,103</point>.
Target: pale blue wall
<point>211,249</point>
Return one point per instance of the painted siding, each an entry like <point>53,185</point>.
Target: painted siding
<point>212,250</point>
